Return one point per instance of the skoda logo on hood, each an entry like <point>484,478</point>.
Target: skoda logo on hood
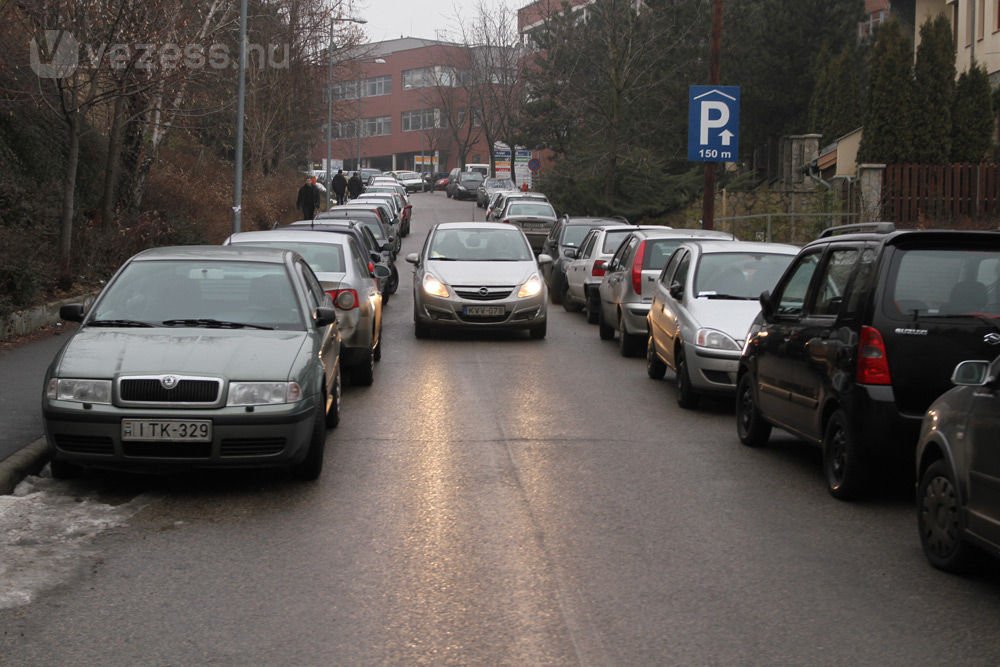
<point>992,338</point>
<point>169,381</point>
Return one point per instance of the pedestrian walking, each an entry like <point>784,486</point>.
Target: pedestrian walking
<point>308,200</point>
<point>354,185</point>
<point>340,187</point>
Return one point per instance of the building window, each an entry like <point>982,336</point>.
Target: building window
<point>374,87</point>
<point>425,77</point>
<point>370,127</point>
<point>424,119</point>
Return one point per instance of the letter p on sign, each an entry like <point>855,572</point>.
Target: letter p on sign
<point>714,115</point>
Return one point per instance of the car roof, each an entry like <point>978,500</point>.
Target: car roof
<point>670,232</point>
<point>902,236</point>
<point>478,225</point>
<point>284,235</point>
<point>722,245</point>
<point>600,222</point>
<point>216,253</point>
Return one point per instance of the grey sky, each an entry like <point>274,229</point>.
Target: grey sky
<point>390,19</point>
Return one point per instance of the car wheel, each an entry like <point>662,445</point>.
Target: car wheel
<point>538,332</point>
<point>938,512</point>
<point>64,470</point>
<point>556,294</point>
<point>568,304</point>
<point>687,397</point>
<point>628,344</point>
<point>378,347</point>
<point>843,462</point>
<point>655,368</point>
<point>333,409</point>
<point>604,330</point>
<point>393,283</point>
<point>751,427</point>
<point>421,330</point>
<point>311,466</point>
<point>363,374</point>
<point>593,307</point>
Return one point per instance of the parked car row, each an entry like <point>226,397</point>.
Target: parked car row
<point>852,343</point>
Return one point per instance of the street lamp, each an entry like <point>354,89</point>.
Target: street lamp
<point>329,101</point>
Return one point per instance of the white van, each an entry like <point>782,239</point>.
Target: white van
<point>482,168</point>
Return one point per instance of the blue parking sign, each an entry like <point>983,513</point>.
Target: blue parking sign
<point>713,123</point>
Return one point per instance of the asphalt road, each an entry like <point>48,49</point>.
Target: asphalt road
<point>497,500</point>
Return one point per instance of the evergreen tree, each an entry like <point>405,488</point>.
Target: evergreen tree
<point>888,134</point>
<point>972,116</point>
<point>934,90</point>
<point>835,108</point>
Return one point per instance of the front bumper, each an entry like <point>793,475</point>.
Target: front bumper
<point>712,371</point>
<point>451,313</point>
<point>264,436</point>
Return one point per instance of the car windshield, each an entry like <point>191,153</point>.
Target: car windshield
<point>479,245</point>
<point>499,183</point>
<point>738,275</point>
<point>470,177</point>
<point>945,283</point>
<point>321,257</point>
<point>407,174</point>
<point>533,208</point>
<point>201,293</point>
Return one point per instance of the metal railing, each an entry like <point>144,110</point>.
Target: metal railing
<point>795,228</point>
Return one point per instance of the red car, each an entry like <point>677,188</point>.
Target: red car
<point>441,183</point>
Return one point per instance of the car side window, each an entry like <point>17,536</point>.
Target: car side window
<point>587,246</point>
<point>629,252</point>
<point>833,280</point>
<point>668,271</point>
<point>360,264</point>
<point>680,276</point>
<point>792,295</point>
<point>857,288</point>
<point>616,260</point>
<point>314,291</point>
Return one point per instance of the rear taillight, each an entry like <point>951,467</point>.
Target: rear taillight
<point>371,267</point>
<point>873,364</point>
<point>637,268</point>
<point>345,299</point>
<point>598,269</point>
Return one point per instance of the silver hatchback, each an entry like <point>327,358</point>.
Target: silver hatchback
<point>626,292</point>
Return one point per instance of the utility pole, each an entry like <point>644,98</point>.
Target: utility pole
<point>715,50</point>
<point>240,105</point>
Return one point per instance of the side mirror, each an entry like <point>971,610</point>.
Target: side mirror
<point>73,312</point>
<point>677,291</point>
<point>376,257</point>
<point>544,259</point>
<point>387,246</point>
<point>570,252</point>
<point>971,373</point>
<point>325,316</point>
<point>413,258</point>
<point>766,307</point>
<point>381,271</point>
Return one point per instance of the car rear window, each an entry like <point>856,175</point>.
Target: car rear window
<point>944,282</point>
<point>540,209</point>
<point>658,251</point>
<point>321,257</point>
<point>613,239</point>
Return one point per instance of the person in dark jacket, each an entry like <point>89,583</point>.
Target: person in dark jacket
<point>308,200</point>
<point>340,187</point>
<point>354,185</point>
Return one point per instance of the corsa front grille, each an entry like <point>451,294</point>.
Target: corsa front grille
<point>483,293</point>
<point>203,391</point>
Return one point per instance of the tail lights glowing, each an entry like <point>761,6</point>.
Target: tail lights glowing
<point>873,364</point>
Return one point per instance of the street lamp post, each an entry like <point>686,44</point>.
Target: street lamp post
<point>329,102</point>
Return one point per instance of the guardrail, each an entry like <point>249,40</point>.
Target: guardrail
<point>795,228</point>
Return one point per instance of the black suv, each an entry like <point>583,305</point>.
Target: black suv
<point>861,334</point>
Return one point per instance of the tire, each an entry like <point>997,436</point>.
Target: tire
<point>939,523</point>
<point>844,464</point>
<point>592,306</point>
<point>629,345</point>
<point>393,283</point>
<point>604,330</point>
<point>309,469</point>
<point>333,411</point>
<point>421,330</point>
<point>538,332</point>
<point>751,427</point>
<point>556,292</point>
<point>568,304</point>
<point>655,368</point>
<point>363,375</point>
<point>64,470</point>
<point>378,347</point>
<point>687,397</point>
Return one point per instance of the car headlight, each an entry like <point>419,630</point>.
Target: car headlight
<point>263,393</point>
<point>435,287</point>
<point>531,287</point>
<point>80,391</point>
<point>715,340</point>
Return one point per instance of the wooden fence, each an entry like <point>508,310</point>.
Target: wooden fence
<point>933,195</point>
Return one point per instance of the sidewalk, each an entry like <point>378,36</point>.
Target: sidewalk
<point>22,367</point>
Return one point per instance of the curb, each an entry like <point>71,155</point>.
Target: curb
<point>28,460</point>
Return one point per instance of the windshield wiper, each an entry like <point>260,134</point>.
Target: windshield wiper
<point>213,324</point>
<point>118,323</point>
<point>732,297</point>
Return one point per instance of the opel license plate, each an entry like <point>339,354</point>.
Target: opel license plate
<point>483,311</point>
<point>167,430</point>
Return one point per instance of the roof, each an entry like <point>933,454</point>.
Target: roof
<point>669,232</point>
<point>215,253</point>
<point>279,235</point>
<point>477,225</point>
<point>604,222</point>
<point>749,247</point>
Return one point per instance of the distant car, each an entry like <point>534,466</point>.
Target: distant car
<point>342,269</point>
<point>411,180</point>
<point>372,215</point>
<point>377,229</point>
<point>704,302</point>
<point>626,290</point>
<point>958,469</point>
<point>441,182</point>
<point>561,244</point>
<point>477,276</point>
<point>402,205</point>
<point>588,266</point>
<point>197,357</point>
<point>366,174</point>
<point>464,185</point>
<point>494,210</point>
<point>533,217</point>
<point>491,185</point>
<point>400,211</point>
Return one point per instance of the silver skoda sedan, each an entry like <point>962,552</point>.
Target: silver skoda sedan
<point>474,275</point>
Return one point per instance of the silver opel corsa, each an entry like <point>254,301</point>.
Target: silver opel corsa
<point>198,357</point>
<point>475,275</point>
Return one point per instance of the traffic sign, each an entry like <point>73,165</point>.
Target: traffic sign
<point>713,123</point>
<point>534,164</point>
